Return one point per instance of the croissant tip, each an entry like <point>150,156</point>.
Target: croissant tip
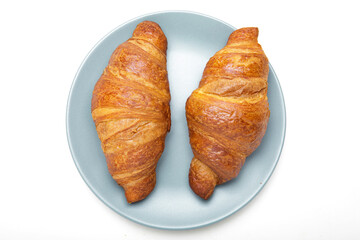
<point>244,34</point>
<point>138,191</point>
<point>202,179</point>
<point>153,33</point>
<point>133,197</point>
<point>203,189</point>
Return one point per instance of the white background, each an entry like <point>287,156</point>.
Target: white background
<point>313,46</point>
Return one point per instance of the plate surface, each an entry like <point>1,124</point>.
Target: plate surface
<point>192,39</point>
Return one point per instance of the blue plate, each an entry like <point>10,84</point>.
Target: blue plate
<point>192,39</point>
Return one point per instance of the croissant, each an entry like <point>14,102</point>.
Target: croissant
<point>130,108</point>
<point>227,115</point>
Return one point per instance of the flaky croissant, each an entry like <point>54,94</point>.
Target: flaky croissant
<point>130,108</point>
<point>228,114</point>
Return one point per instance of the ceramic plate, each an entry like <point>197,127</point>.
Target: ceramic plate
<point>192,39</point>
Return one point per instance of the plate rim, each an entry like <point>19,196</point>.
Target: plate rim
<point>158,226</point>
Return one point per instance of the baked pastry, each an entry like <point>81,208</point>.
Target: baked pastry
<point>228,114</point>
<point>130,108</point>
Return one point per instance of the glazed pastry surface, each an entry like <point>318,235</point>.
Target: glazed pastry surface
<point>228,114</point>
<point>130,108</point>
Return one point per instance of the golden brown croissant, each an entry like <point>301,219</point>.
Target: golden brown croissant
<point>130,108</point>
<point>228,114</point>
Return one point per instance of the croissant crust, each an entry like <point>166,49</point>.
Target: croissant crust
<point>228,114</point>
<point>130,108</point>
